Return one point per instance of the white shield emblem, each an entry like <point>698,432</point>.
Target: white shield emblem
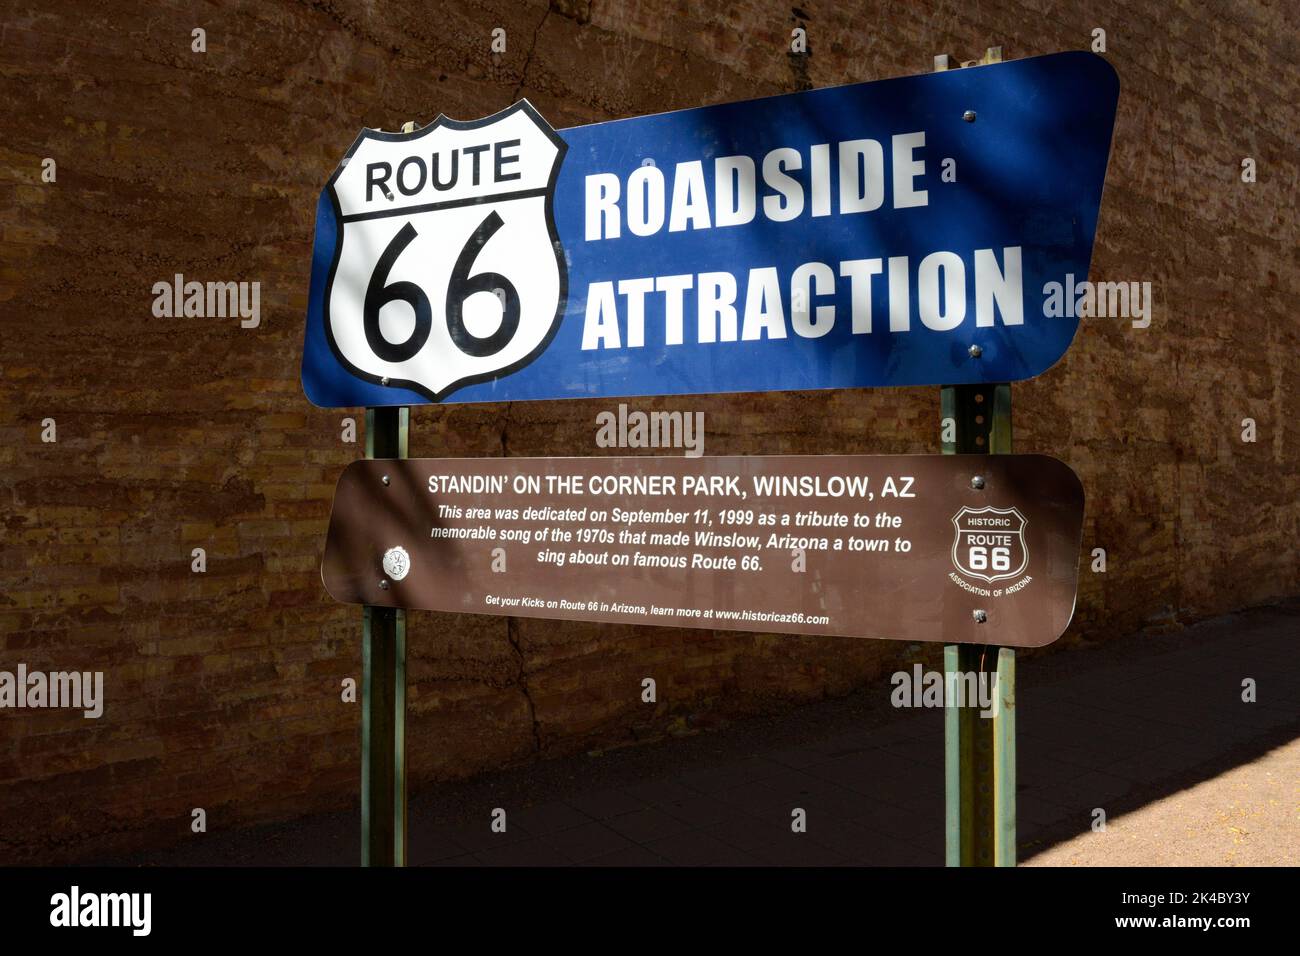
<point>990,543</point>
<point>447,268</point>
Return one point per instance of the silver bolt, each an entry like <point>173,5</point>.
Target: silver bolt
<point>980,617</point>
<point>977,482</point>
<point>383,586</point>
<point>384,380</point>
<point>385,479</point>
<point>969,116</point>
<point>975,351</point>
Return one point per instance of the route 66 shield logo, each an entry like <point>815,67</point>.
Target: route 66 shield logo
<point>447,267</point>
<point>990,543</point>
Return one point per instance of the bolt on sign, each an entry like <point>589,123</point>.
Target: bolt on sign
<point>899,232</point>
<point>952,548</point>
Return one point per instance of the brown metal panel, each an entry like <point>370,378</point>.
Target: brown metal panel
<point>940,589</point>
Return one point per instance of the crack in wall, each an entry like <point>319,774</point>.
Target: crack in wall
<point>528,60</point>
<point>512,635</point>
<point>350,25</point>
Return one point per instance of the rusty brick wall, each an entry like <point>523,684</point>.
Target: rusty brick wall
<point>223,688</point>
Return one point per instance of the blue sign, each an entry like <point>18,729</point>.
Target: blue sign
<point>900,232</point>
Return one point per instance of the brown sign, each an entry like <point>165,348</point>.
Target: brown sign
<point>953,548</point>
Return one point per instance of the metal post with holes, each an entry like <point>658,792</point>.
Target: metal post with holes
<point>979,752</point>
<point>383,691</point>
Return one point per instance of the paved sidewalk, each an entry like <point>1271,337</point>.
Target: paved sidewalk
<point>1150,729</point>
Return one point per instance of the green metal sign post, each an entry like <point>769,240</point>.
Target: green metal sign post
<point>979,752</point>
<point>383,692</point>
